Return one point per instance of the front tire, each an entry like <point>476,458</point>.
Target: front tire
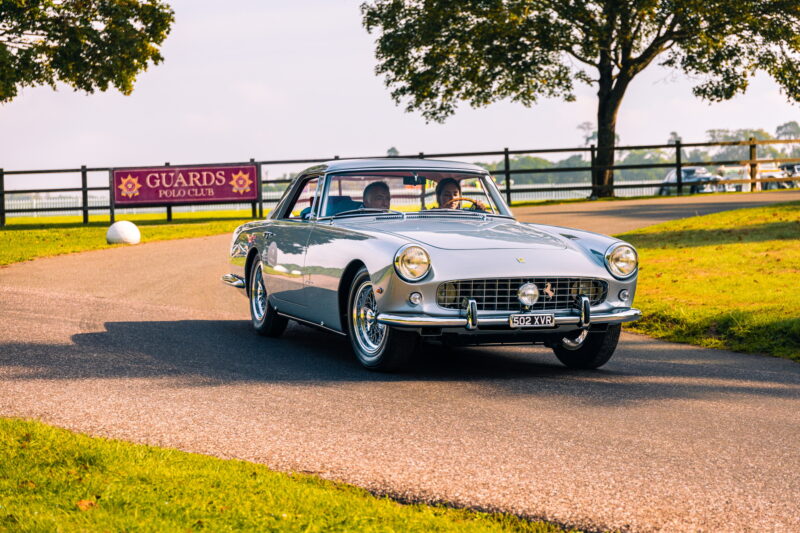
<point>376,346</point>
<point>595,351</point>
<point>265,319</point>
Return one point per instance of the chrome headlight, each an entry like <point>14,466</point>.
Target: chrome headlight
<point>412,262</point>
<point>622,260</point>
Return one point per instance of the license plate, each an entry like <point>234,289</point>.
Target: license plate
<point>532,321</point>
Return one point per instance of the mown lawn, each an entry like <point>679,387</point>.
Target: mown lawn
<point>55,480</point>
<point>26,238</point>
<point>728,280</point>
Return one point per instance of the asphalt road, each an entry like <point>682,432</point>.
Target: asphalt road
<point>145,344</point>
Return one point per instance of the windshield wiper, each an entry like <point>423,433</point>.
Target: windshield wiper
<point>367,211</point>
<point>459,212</point>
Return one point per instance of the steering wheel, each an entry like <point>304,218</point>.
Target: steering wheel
<point>476,204</point>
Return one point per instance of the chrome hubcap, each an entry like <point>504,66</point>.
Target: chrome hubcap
<point>258,294</point>
<point>367,331</point>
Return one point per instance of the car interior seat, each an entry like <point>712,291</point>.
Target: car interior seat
<point>339,204</point>
<point>336,204</point>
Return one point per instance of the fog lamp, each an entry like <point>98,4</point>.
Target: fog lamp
<point>528,294</point>
<point>447,293</point>
<point>623,295</point>
<point>415,298</point>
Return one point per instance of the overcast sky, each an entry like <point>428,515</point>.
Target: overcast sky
<point>275,80</point>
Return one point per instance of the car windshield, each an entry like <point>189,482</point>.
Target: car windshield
<point>401,192</point>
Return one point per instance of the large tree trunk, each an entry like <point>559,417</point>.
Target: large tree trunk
<point>609,98</point>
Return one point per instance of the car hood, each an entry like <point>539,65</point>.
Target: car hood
<point>452,233</point>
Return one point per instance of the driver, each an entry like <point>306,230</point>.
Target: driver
<point>377,195</point>
<point>448,190</point>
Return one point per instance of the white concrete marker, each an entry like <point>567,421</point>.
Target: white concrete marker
<point>123,232</point>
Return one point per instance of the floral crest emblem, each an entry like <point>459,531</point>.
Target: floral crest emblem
<point>130,186</point>
<point>241,182</point>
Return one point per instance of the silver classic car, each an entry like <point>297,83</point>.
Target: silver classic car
<point>393,252</point>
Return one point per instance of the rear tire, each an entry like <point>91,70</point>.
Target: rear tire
<point>376,346</point>
<point>265,319</point>
<point>595,351</point>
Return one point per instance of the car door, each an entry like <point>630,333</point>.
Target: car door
<point>287,240</point>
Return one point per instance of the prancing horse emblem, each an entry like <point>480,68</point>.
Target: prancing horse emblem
<point>520,259</point>
<point>548,291</point>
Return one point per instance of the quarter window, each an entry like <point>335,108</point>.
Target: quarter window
<point>305,202</point>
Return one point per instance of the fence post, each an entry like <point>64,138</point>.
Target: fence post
<point>111,195</point>
<point>84,194</point>
<point>507,171</point>
<point>678,166</point>
<point>254,205</point>
<point>753,166</point>
<point>169,207</point>
<point>594,171</point>
<point>260,191</point>
<point>2,198</point>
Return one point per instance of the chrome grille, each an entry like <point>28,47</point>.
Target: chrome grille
<point>500,294</point>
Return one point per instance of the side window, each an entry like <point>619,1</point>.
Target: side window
<point>303,204</point>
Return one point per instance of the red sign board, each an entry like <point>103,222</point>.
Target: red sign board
<point>185,185</point>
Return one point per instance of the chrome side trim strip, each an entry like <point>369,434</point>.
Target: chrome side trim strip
<point>233,280</point>
<point>412,321</point>
<point>313,324</point>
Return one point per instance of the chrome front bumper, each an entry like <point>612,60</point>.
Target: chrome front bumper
<point>417,321</point>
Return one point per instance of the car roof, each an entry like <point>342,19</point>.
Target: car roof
<point>393,163</point>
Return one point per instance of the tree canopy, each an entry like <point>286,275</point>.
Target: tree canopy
<point>87,44</point>
<point>435,54</point>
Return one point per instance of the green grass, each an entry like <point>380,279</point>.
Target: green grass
<point>26,238</point>
<point>729,280</point>
<point>55,480</point>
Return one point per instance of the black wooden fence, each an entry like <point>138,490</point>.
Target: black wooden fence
<point>505,172</point>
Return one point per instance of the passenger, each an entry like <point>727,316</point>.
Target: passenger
<point>377,196</point>
<point>448,190</point>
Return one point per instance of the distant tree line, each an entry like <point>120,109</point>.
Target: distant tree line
<point>789,130</point>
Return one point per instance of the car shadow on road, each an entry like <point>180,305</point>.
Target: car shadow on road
<point>210,352</point>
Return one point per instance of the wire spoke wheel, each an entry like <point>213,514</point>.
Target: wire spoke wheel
<point>367,331</point>
<point>258,300</point>
<point>265,318</point>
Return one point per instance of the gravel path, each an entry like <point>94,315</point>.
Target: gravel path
<point>144,344</point>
